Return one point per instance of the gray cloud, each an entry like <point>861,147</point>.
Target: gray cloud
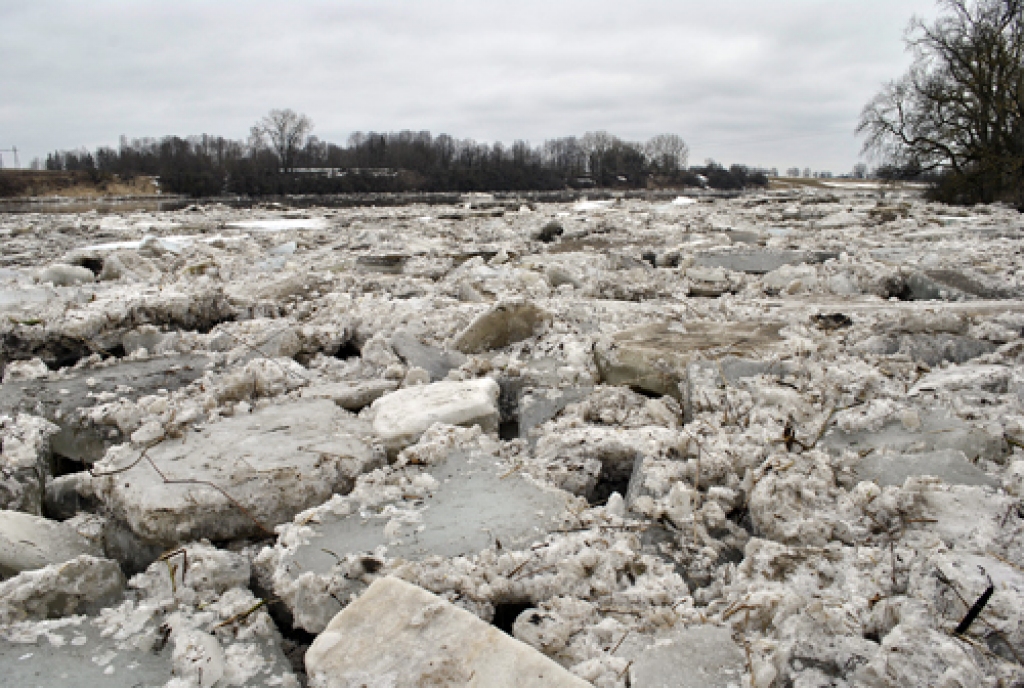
<point>774,83</point>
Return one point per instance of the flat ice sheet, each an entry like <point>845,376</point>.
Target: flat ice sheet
<point>280,225</point>
<point>174,244</point>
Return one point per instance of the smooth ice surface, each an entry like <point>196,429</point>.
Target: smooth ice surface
<point>938,430</point>
<point>699,657</point>
<point>474,504</point>
<point>77,654</point>
<point>400,635</point>
<point>950,465</point>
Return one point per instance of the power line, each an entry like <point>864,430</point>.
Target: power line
<point>12,149</point>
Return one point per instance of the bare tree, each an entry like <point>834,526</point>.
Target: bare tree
<point>598,142</point>
<point>667,152</point>
<point>255,142</point>
<point>286,130</point>
<point>959,110</point>
<point>596,145</point>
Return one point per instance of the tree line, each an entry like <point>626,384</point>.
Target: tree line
<point>281,156</point>
<point>956,117</point>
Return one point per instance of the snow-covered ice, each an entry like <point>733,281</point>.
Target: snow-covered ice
<point>769,440</point>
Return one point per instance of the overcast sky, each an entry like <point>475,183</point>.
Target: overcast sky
<point>762,82</point>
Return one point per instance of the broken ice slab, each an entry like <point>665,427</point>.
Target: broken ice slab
<point>538,405</point>
<point>592,206</point>
<point>972,573</point>
<point>25,463</point>
<point>950,465</point>
<point>98,326</point>
<point>436,362</point>
<point>151,339</point>
<point>797,306</point>
<point>683,201</point>
<point>68,495</point>
<point>761,262</point>
<point>81,585</point>
<point>31,542</point>
<point>406,637</point>
<point>709,282</point>
<point>932,285</point>
<point>930,349</point>
<point>387,263</point>
<point>402,416</point>
<point>74,652</point>
<point>938,430</point>
<point>745,236</point>
<point>172,244</point>
<point>735,368</point>
<point>654,358</point>
<point>280,224</point>
<point>239,477</point>
<point>558,275</point>
<point>286,249</point>
<point>475,504</point>
<point>697,657</point>
<point>11,276</point>
<point>14,300</point>
<point>351,396</point>
<point>504,324</point>
<point>63,275</point>
<point>62,401</point>
<point>985,378</point>
<point>468,254</point>
<point>968,518</point>
<point>144,643</point>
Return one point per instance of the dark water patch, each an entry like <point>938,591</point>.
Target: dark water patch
<point>614,477</point>
<point>509,396</point>
<point>348,350</point>
<point>61,465</point>
<point>505,615</point>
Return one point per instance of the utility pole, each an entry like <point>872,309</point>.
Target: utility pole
<point>12,149</point>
